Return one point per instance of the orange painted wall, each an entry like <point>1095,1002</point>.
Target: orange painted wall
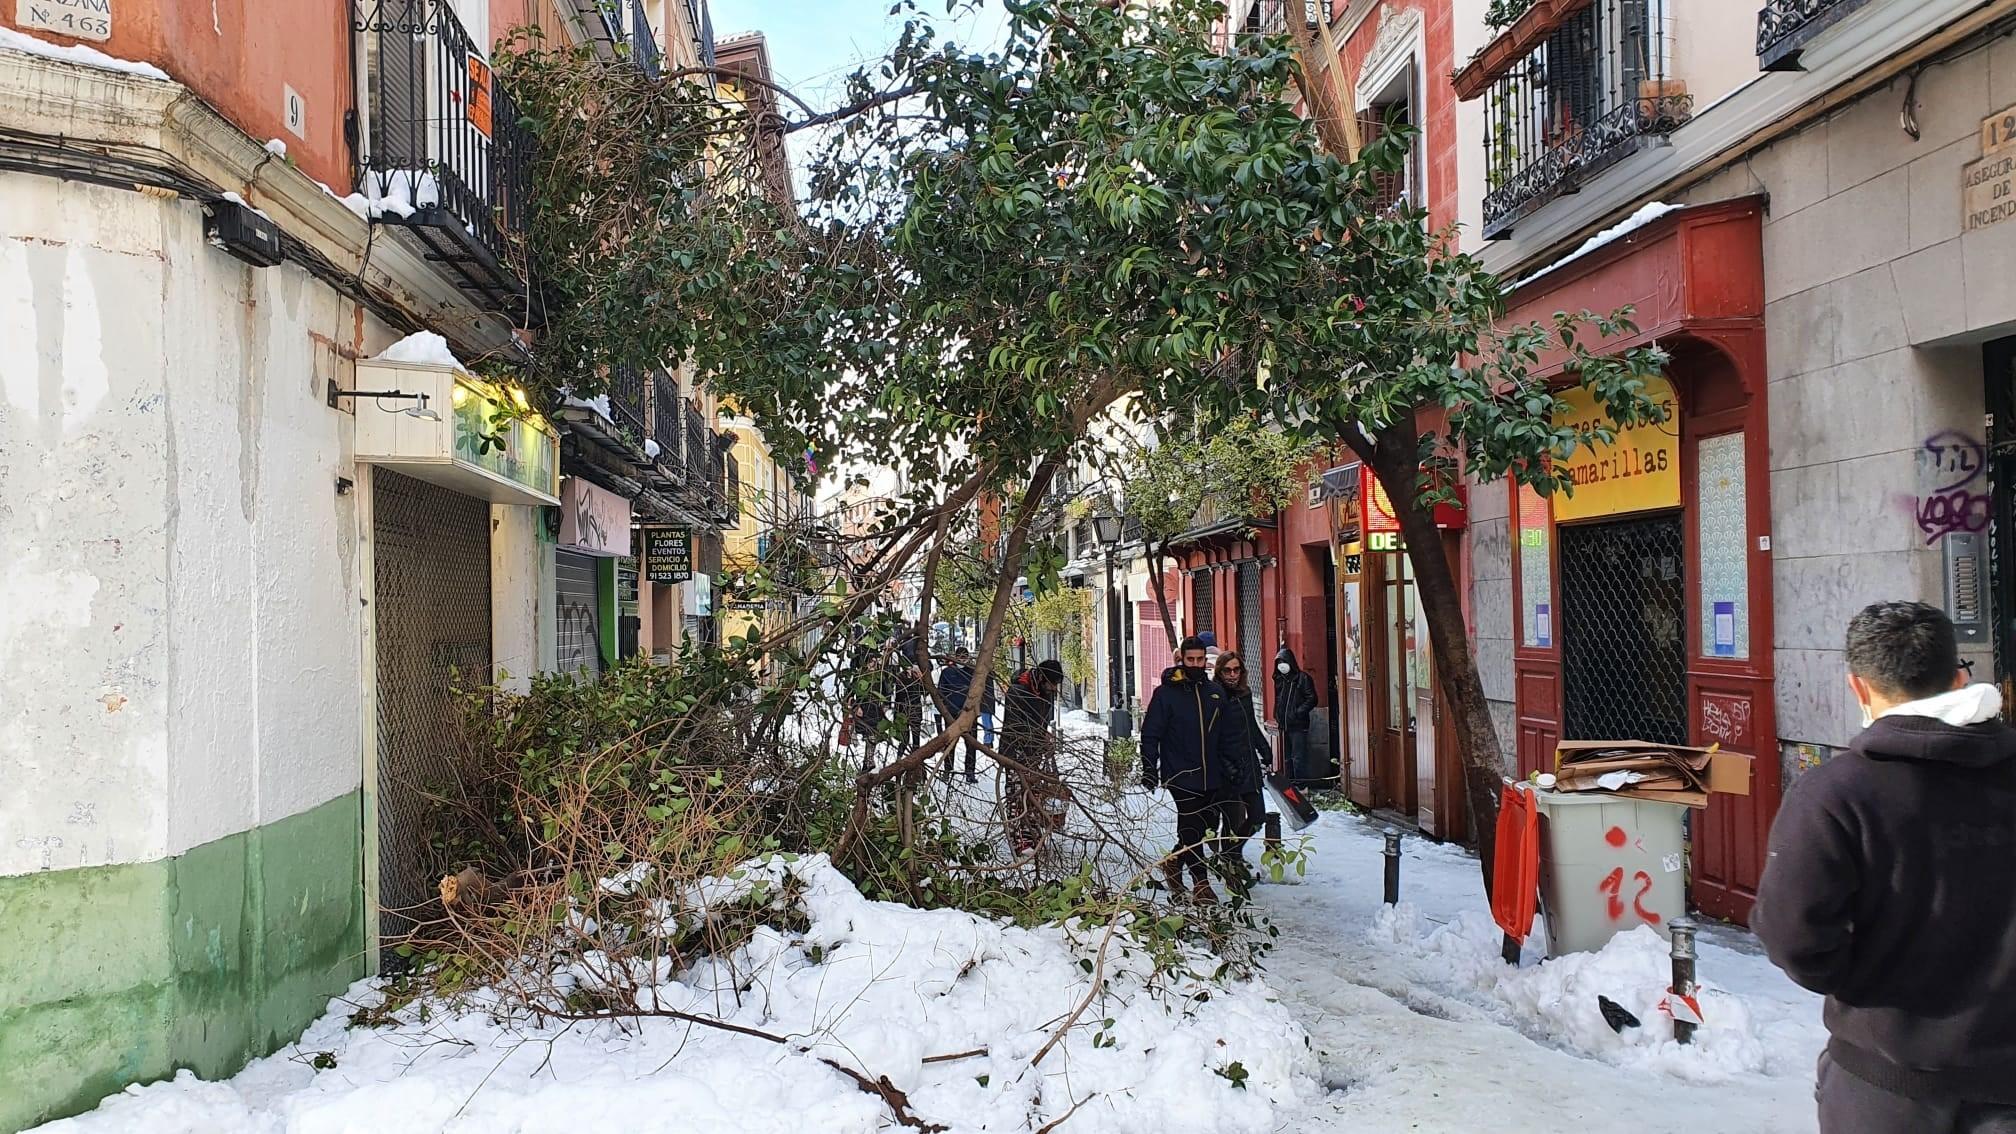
<point>508,15</point>
<point>239,55</point>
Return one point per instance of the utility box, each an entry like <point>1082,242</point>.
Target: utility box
<point>1608,864</point>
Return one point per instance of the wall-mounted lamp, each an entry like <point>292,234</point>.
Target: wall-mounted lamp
<point>418,409</point>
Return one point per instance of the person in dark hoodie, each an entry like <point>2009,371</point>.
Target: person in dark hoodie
<point>1032,799</point>
<point>1891,889</point>
<point>1294,706</point>
<point>1190,738</point>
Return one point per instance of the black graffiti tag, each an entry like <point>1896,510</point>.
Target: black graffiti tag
<point>1952,459</point>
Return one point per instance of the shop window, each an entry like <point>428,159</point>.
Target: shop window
<point>1536,570</point>
<point>1719,509</point>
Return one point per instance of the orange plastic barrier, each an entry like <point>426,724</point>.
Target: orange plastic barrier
<point>1515,866</point>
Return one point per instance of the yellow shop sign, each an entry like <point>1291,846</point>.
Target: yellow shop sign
<point>1638,472</point>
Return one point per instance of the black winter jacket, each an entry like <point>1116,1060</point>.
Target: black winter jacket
<point>1891,889</point>
<point>1191,733</point>
<point>954,682</point>
<point>1294,695</point>
<point>1025,727</point>
<point>1247,763</point>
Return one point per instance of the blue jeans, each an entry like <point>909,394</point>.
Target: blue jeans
<point>987,728</point>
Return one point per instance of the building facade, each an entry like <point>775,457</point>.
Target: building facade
<point>247,563</point>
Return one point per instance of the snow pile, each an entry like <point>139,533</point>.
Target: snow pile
<point>400,192</point>
<point>424,348</point>
<point>240,201</point>
<point>77,53</point>
<point>599,404</point>
<point>1555,1001</point>
<point>1646,214</point>
<point>884,990</point>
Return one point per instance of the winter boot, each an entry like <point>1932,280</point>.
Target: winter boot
<point>1172,877</point>
<point>1201,891</point>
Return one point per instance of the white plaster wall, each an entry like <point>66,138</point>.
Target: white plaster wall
<point>182,606</point>
<point>1470,35</point>
<point>84,663</point>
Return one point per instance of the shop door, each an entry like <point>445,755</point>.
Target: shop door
<point>1999,366</point>
<point>577,616</point>
<point>431,622</point>
<point>1394,744</point>
<point>1624,630</point>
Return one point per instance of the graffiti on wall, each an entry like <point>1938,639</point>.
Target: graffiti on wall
<point>1954,466</point>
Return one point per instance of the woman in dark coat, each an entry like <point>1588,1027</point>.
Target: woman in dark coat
<point>1244,808</point>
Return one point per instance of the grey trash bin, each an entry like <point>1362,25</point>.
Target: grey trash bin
<point>1608,864</point>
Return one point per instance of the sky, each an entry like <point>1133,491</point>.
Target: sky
<point>815,44</point>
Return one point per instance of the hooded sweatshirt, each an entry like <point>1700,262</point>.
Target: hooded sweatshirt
<point>1294,694</point>
<point>1891,889</point>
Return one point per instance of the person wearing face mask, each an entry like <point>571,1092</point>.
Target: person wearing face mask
<point>1890,888</point>
<point>1294,706</point>
<point>1190,737</point>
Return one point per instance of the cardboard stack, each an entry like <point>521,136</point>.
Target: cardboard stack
<point>1638,769</point>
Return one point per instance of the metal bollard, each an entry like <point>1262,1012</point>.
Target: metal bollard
<point>1273,831</point>
<point>1682,929</point>
<point>1392,853</point>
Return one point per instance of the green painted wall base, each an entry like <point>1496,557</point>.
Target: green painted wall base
<point>125,974</point>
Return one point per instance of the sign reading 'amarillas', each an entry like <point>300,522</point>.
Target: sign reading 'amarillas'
<point>1637,472</point>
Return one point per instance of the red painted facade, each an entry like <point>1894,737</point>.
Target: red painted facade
<point>1695,279</point>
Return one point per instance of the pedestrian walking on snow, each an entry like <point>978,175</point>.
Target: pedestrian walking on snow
<point>1033,799</point>
<point>955,682</point>
<point>1888,889</point>
<point>1190,738</point>
<point>1243,807</point>
<point>1294,709</point>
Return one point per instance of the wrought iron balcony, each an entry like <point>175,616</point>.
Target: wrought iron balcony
<point>1591,90</point>
<point>443,154</point>
<point>668,426</point>
<point>626,400</point>
<point>630,34</point>
<point>1785,27</point>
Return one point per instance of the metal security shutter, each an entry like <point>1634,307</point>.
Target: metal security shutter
<point>1249,617</point>
<point>432,616</point>
<point>1623,630</point>
<point>577,616</point>
<point>1205,602</point>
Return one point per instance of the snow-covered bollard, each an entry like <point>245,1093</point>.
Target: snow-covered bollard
<point>1682,931</point>
<point>1392,853</point>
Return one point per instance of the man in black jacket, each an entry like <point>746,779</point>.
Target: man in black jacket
<point>1891,889</point>
<point>1294,706</point>
<point>1034,799</point>
<point>1189,738</point>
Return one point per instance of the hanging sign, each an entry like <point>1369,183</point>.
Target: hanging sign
<point>668,554</point>
<point>1381,525</point>
<point>478,109</point>
<point>593,520</point>
<point>1638,472</point>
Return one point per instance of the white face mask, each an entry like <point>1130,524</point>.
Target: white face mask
<point>1281,667</point>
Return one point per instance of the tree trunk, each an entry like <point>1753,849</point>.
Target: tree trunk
<point>1394,456</point>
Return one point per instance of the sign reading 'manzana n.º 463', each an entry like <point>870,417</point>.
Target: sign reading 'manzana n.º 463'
<point>78,19</point>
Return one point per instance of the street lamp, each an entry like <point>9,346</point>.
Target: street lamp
<point>1119,724</point>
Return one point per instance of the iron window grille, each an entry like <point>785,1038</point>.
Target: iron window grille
<point>442,152</point>
<point>1592,93</point>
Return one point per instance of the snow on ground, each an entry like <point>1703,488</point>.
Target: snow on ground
<point>879,988</point>
<point>77,53</point>
<point>1421,1027</point>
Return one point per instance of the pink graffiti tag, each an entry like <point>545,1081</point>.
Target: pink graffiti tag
<point>1954,510</point>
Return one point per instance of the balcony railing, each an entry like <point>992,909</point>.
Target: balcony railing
<point>1785,27</point>
<point>626,399</point>
<point>1591,92</point>
<point>443,152</point>
<point>630,34</point>
<point>668,425</point>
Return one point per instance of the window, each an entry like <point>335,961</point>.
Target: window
<point>1724,540</point>
<point>1536,569</point>
<point>1398,103</point>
